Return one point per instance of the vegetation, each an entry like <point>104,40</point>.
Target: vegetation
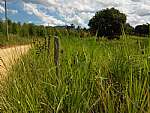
<point>14,40</point>
<point>23,30</point>
<point>26,33</point>
<point>107,23</point>
<point>104,77</point>
<point>142,30</point>
<point>110,23</point>
<point>31,30</point>
<point>128,29</point>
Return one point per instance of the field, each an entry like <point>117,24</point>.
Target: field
<point>94,77</point>
<point>13,40</point>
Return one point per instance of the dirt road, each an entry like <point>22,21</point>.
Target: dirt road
<point>9,56</point>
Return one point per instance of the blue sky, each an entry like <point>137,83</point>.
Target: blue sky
<point>78,12</point>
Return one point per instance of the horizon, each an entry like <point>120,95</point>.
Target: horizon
<point>79,12</point>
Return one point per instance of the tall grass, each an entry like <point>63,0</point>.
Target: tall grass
<point>14,40</point>
<point>94,77</point>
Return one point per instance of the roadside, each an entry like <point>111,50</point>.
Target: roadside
<point>10,55</point>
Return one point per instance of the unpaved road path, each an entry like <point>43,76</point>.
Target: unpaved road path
<point>8,56</point>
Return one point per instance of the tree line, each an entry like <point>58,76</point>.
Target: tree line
<point>111,23</point>
<point>139,30</point>
<point>32,30</point>
<point>24,30</point>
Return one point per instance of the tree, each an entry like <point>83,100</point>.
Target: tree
<point>107,23</point>
<point>2,27</point>
<point>25,30</point>
<point>72,26</point>
<point>32,30</point>
<point>9,23</point>
<point>142,30</point>
<point>78,28</point>
<point>129,29</point>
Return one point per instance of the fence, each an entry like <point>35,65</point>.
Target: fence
<point>47,45</point>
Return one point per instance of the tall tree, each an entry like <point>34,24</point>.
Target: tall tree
<point>142,30</point>
<point>107,23</point>
<point>129,29</point>
<point>15,28</point>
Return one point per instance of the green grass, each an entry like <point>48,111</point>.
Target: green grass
<point>14,40</point>
<point>94,77</point>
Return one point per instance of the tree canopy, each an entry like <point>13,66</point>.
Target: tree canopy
<point>32,30</point>
<point>107,23</point>
<point>142,30</point>
<point>128,29</point>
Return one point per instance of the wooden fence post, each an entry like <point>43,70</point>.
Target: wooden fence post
<point>45,43</point>
<point>56,54</point>
<point>48,46</point>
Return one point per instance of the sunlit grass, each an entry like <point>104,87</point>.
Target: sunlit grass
<point>14,40</point>
<point>94,77</point>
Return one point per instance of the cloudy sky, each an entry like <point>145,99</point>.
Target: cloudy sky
<point>78,12</point>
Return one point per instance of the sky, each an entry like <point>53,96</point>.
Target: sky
<point>78,12</point>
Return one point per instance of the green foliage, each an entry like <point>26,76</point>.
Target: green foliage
<point>129,29</point>
<point>31,30</point>
<point>142,30</point>
<point>104,77</point>
<point>2,27</point>
<point>14,40</point>
<point>107,23</point>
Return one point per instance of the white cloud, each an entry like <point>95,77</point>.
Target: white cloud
<point>2,9</point>
<point>32,9</point>
<point>12,11</point>
<point>80,11</point>
<point>8,0</point>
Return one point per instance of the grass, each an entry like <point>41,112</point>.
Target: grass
<point>94,77</point>
<point>14,40</point>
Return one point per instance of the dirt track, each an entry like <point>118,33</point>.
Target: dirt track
<point>9,56</point>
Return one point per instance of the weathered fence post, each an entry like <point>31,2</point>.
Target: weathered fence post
<point>45,43</point>
<point>48,46</point>
<point>56,54</point>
